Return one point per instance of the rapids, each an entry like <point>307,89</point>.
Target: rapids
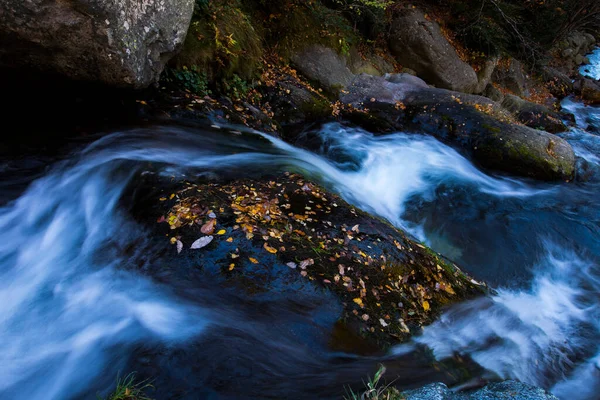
<point>75,311</point>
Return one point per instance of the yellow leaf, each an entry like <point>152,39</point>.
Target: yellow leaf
<point>172,195</point>
<point>426,305</point>
<point>231,266</point>
<point>173,240</point>
<point>269,248</point>
<point>229,240</point>
<point>222,232</point>
<point>253,260</point>
<point>358,301</point>
<point>163,199</point>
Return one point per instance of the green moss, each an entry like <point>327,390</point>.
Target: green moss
<point>222,41</point>
<point>493,129</point>
<point>317,108</point>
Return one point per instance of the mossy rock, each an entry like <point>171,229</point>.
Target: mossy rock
<point>389,284</point>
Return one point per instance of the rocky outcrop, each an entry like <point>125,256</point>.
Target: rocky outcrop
<point>418,43</point>
<point>325,67</point>
<point>508,390</point>
<point>119,43</point>
<point>533,115</point>
<point>510,74</point>
<point>474,124</point>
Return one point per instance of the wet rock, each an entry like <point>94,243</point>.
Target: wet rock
<point>589,90</point>
<point>474,124</point>
<point>122,43</point>
<point>533,115</point>
<point>559,84</point>
<point>510,74</point>
<point>323,66</point>
<point>508,390</point>
<point>418,43</point>
<point>389,284</point>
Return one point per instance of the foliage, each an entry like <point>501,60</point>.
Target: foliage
<point>191,79</point>
<point>236,87</point>
<point>522,28</point>
<point>375,391</point>
<point>128,389</point>
<point>222,40</point>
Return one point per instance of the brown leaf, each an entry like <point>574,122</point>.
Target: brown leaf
<point>208,227</point>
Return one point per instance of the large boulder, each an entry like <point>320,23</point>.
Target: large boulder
<point>474,124</point>
<point>533,115</point>
<point>123,43</point>
<point>323,66</point>
<point>418,43</point>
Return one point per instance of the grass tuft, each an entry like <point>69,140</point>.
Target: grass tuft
<point>128,389</point>
<point>374,390</point>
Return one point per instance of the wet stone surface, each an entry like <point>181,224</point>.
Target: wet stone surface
<point>267,234</point>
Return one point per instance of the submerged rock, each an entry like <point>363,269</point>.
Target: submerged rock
<point>589,90</point>
<point>507,390</point>
<point>418,43</point>
<point>119,43</point>
<point>389,284</point>
<point>474,124</point>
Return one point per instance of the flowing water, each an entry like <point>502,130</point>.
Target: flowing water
<point>76,309</point>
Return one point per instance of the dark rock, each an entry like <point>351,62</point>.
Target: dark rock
<point>474,124</point>
<point>533,115</point>
<point>284,231</point>
<point>122,43</point>
<point>493,93</point>
<point>293,104</point>
<point>589,90</point>
<point>325,67</point>
<point>559,84</point>
<point>509,74</point>
<point>418,43</point>
<point>507,390</point>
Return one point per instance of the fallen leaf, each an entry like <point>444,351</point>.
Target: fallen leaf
<point>355,228</point>
<point>222,232</point>
<point>306,263</point>
<point>231,266</point>
<point>358,301</point>
<point>253,260</point>
<point>269,248</point>
<point>208,227</point>
<point>426,305</point>
<point>382,322</point>
<point>179,246</point>
<point>229,240</point>
<point>202,242</point>
<point>292,265</point>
